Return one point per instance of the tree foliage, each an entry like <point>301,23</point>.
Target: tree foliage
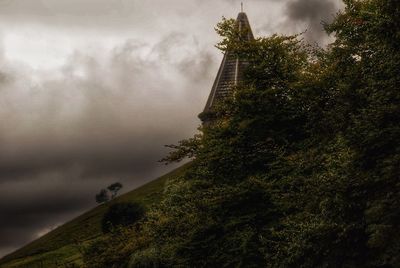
<point>121,214</point>
<point>114,189</point>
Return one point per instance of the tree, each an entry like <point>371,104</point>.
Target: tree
<point>108,194</point>
<point>222,207</point>
<point>114,188</point>
<point>102,196</point>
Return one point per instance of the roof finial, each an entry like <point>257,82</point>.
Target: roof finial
<point>241,5</point>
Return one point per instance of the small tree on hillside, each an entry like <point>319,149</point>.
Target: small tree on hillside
<point>114,188</point>
<point>102,196</point>
<point>108,194</point>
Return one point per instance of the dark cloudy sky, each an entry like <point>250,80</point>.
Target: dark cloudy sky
<point>91,90</point>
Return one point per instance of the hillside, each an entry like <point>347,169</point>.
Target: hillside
<point>62,246</point>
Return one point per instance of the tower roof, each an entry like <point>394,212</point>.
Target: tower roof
<point>242,22</point>
<point>230,72</point>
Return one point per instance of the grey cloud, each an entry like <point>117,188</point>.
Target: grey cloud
<point>3,77</point>
<point>310,10</point>
<point>29,205</point>
<point>310,14</point>
<point>114,15</point>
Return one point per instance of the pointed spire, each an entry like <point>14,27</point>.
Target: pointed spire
<point>230,72</point>
<point>243,23</point>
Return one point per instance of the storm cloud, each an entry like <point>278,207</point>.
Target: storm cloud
<point>308,16</point>
<point>90,91</point>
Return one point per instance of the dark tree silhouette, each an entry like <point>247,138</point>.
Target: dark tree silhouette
<point>114,188</point>
<point>121,214</point>
<point>102,196</point>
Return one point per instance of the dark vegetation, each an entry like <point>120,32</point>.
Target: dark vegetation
<point>299,169</point>
<point>120,215</point>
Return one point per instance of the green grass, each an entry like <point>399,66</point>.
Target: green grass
<point>61,247</point>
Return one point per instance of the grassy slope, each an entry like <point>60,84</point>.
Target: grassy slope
<point>62,245</point>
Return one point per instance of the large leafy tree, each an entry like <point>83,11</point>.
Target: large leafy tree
<point>217,214</point>
<point>348,177</point>
<point>369,37</point>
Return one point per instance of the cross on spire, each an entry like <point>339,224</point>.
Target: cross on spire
<point>241,5</point>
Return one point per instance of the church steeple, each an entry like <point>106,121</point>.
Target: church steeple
<point>230,72</point>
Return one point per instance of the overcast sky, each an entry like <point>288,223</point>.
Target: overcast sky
<point>91,90</point>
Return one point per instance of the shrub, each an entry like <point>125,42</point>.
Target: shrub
<point>121,214</point>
